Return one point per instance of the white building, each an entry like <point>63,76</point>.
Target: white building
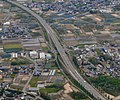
<point>45,55</point>
<point>1,29</point>
<point>48,56</point>
<point>1,49</point>
<point>22,1</point>
<point>14,55</point>
<point>42,55</point>
<point>42,85</point>
<point>6,23</point>
<point>33,54</point>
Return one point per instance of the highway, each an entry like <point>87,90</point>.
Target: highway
<point>69,67</point>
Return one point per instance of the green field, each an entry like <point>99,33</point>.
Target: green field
<point>16,87</point>
<point>1,80</point>
<point>49,90</point>
<point>52,88</point>
<point>109,84</point>
<point>20,61</point>
<point>33,82</point>
<point>12,46</point>
<point>78,96</point>
<point>45,48</point>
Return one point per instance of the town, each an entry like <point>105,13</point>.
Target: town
<point>31,66</point>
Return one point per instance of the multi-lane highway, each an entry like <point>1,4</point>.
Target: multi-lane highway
<point>69,67</point>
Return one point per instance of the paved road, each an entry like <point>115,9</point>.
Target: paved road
<point>70,68</point>
<point>36,67</point>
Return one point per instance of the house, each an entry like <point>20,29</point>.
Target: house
<point>33,89</point>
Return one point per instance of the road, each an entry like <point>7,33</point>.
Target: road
<point>26,85</point>
<point>69,67</point>
<point>36,67</point>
